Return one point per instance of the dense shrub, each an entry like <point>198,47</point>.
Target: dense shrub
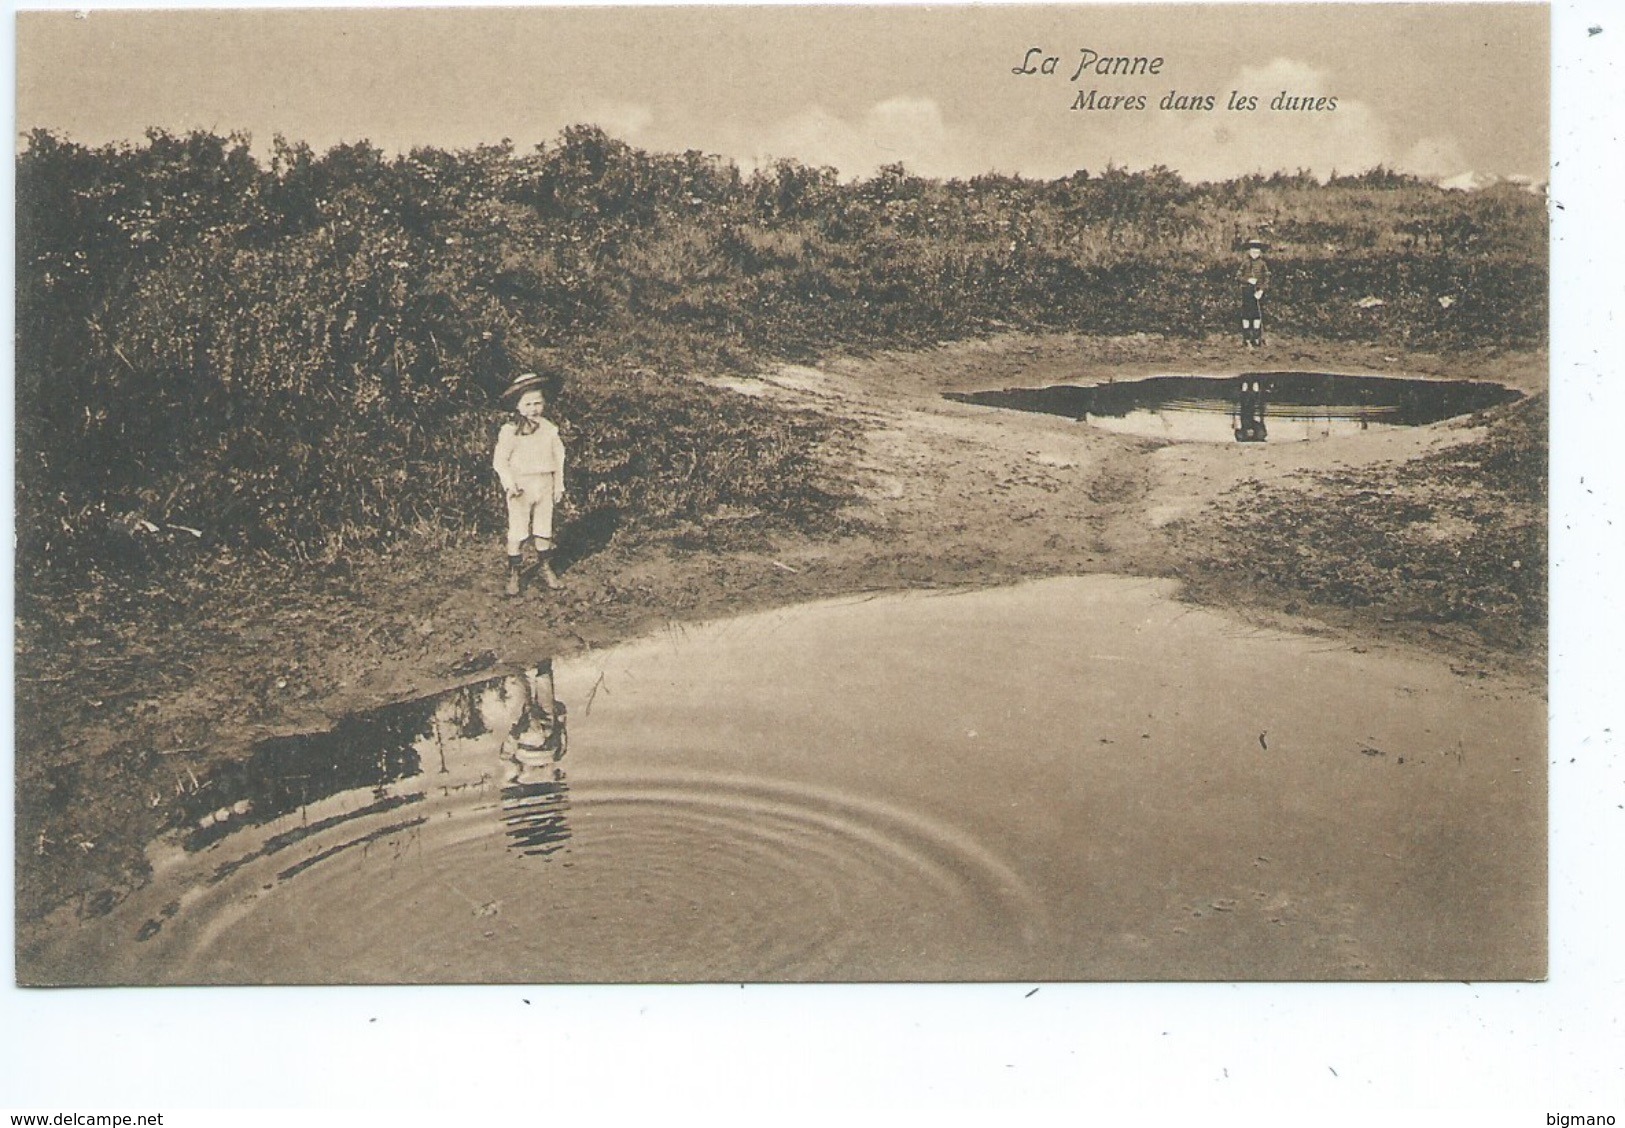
<point>300,355</point>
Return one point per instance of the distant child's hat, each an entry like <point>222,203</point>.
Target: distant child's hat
<point>1259,243</point>
<point>529,382</point>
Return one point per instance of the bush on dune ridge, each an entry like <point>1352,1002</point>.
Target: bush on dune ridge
<point>300,356</point>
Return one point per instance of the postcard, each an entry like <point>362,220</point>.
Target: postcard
<point>782,495</point>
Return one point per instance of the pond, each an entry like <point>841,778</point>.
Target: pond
<point>1075,778</point>
<point>1254,406</point>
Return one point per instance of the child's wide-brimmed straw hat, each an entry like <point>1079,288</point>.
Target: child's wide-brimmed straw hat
<point>1259,243</point>
<point>529,382</point>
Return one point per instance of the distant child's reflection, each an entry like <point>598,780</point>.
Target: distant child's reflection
<point>1250,411</point>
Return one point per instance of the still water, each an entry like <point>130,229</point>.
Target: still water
<point>1069,779</point>
<point>1253,407</point>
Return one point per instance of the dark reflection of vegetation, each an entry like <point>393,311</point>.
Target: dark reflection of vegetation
<point>468,720</point>
<point>364,750</point>
<point>1393,400</point>
<point>287,772</point>
<point>374,749</point>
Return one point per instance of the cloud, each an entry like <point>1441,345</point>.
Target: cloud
<point>906,130</point>
<point>1438,157</point>
<point>628,121</point>
<point>1215,144</point>
<point>1226,143</point>
<point>1351,138</point>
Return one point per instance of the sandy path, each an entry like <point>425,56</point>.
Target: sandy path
<point>1042,492</point>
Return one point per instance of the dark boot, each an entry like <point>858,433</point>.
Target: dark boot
<point>549,577</point>
<point>513,575</point>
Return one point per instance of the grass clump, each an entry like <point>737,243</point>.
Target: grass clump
<point>1453,543</point>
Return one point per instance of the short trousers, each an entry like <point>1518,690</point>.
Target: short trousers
<point>531,513</point>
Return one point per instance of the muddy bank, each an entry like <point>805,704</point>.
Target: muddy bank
<point>132,695</point>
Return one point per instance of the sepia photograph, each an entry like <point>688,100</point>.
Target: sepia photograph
<point>818,495</point>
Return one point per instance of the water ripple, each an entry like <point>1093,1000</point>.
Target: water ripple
<point>641,877</point>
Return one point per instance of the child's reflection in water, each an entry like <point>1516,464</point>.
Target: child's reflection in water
<point>535,801</point>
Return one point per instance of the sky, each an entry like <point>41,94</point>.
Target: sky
<point>1434,89</point>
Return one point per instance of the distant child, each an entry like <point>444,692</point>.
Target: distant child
<point>1254,278</point>
<point>529,462</point>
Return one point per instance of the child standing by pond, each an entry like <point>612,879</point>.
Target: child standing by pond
<point>1254,277</point>
<point>529,462</point>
